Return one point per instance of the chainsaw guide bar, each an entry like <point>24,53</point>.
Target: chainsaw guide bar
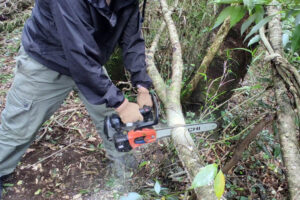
<point>191,128</point>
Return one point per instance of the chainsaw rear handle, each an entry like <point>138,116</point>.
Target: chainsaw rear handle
<point>145,111</point>
<point>143,132</point>
<point>140,133</point>
<point>113,126</point>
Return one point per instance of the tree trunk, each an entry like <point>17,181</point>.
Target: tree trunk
<point>170,97</point>
<point>288,137</point>
<point>287,128</point>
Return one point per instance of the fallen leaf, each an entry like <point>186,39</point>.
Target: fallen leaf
<point>92,139</point>
<point>30,150</point>
<point>38,192</point>
<point>77,196</point>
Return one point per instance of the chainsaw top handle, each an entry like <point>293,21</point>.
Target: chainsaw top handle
<point>145,111</point>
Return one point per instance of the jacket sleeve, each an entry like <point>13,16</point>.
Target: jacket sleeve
<point>82,53</point>
<point>133,46</point>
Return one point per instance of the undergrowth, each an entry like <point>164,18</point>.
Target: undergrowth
<point>259,175</point>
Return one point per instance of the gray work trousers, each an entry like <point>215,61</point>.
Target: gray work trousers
<point>36,93</point>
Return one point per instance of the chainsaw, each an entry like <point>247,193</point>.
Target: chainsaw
<point>132,135</point>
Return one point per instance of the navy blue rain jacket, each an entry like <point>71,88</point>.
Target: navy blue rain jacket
<point>77,37</point>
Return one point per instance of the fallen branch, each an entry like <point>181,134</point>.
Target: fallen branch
<point>158,82</point>
<point>61,124</point>
<point>243,145</point>
<point>55,153</point>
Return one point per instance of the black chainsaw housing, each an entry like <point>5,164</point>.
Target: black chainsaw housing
<point>116,131</point>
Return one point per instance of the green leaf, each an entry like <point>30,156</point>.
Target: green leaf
<point>247,23</point>
<point>258,26</point>
<point>285,39</point>
<point>228,1</point>
<point>131,196</point>
<point>236,13</point>
<point>204,76</point>
<point>84,191</point>
<point>144,164</point>
<point>296,39</point>
<point>157,187</point>
<point>8,184</point>
<point>248,88</point>
<point>20,182</point>
<point>256,58</point>
<point>49,194</point>
<point>244,49</point>
<point>254,40</point>
<point>222,16</point>
<point>205,175</point>
<point>297,20</point>
<point>277,151</point>
<point>257,86</point>
<point>38,192</point>
<point>257,16</point>
<point>262,2</point>
<point>219,184</point>
<point>259,12</point>
<point>249,4</point>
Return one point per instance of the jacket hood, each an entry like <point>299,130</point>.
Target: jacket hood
<point>110,14</point>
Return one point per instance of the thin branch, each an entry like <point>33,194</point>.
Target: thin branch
<point>177,62</point>
<point>158,82</point>
<point>55,153</point>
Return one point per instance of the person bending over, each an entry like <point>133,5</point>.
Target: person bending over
<point>65,45</point>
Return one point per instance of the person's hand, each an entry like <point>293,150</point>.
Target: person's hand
<point>129,112</point>
<point>144,98</point>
